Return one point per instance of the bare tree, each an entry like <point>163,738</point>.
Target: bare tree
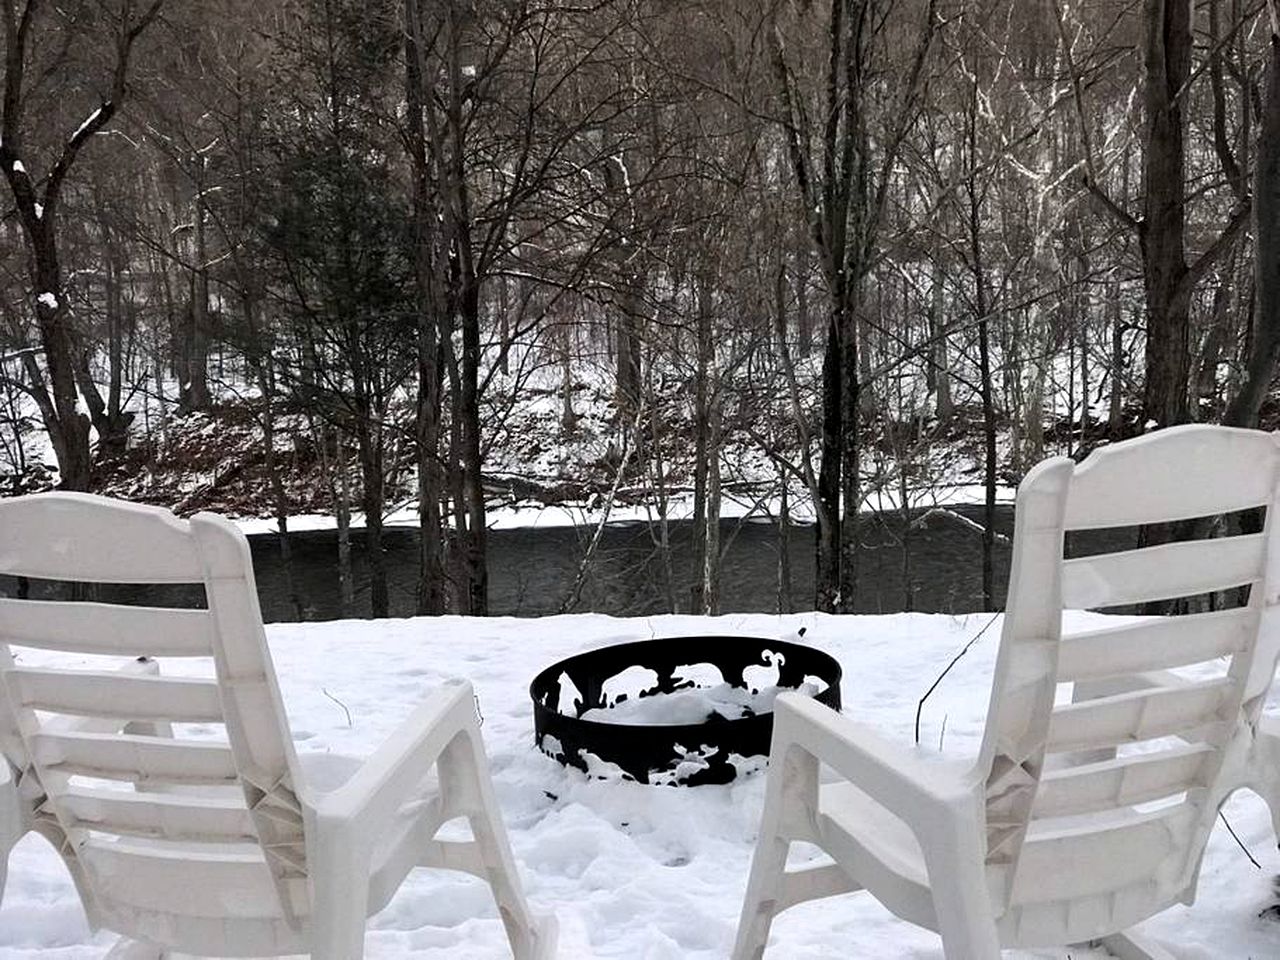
<point>842,169</point>
<point>31,27</point>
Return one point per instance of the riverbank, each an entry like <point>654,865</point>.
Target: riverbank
<point>533,514</point>
<point>538,472</point>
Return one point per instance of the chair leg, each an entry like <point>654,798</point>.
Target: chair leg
<point>966,935</point>
<point>957,877</point>
<point>340,879</point>
<point>11,821</point>
<point>530,938</point>
<point>764,889</point>
<point>792,785</point>
<point>1265,769</point>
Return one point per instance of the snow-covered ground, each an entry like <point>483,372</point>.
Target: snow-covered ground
<point>644,873</point>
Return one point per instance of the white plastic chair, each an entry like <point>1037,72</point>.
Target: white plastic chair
<point>214,847</point>
<point>1079,819</point>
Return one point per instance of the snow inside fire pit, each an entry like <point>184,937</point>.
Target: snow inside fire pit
<point>677,711</point>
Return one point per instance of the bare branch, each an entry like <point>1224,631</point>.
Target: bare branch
<point>1239,218</point>
<point>1121,216</point>
<point>100,117</point>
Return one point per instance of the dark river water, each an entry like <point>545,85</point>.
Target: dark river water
<point>933,566</point>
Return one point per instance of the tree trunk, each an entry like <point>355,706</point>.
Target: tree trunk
<point>938,359</point>
<point>113,424</point>
<point>1206,394</point>
<point>662,541</point>
<point>346,579</point>
<point>266,383</point>
<point>455,572</point>
<point>785,604</point>
<point>1162,237</point>
<point>194,392</point>
<point>827,529</point>
<point>430,592</point>
<point>711,553</point>
<point>568,418</point>
<point>701,440</point>
<point>981,309</point>
<point>1244,407</point>
<point>804,323</point>
<point>989,447</point>
<point>430,264</point>
<point>69,432</point>
<point>1082,330</point>
<point>369,448</point>
<point>474,547</point>
<point>1115,413</point>
<point>850,454</point>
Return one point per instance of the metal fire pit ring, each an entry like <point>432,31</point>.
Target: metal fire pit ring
<point>688,754</point>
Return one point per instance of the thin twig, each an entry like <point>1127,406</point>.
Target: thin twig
<point>350,725</point>
<point>575,592</point>
<point>954,660</point>
<point>1240,843</point>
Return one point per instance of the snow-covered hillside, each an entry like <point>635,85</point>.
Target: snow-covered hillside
<point>215,460</point>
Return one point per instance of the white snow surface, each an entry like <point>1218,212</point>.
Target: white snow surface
<point>49,300</point>
<point>692,706</point>
<point>87,120</point>
<point>632,871</point>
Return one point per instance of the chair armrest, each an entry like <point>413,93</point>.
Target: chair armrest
<point>392,776</point>
<point>916,791</point>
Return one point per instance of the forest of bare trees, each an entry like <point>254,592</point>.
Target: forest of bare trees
<point>859,233</point>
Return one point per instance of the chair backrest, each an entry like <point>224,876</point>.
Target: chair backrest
<point>161,826</point>
<point>1105,843</point>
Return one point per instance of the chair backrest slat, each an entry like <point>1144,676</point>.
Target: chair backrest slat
<point>1154,644</point>
<point>1121,782</point>
<point>106,628</point>
<point>166,816</point>
<point>141,759</point>
<point>1150,480</point>
<point>1056,834</point>
<point>1137,716</point>
<point>129,697</point>
<point>68,537</point>
<point>1163,572</point>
